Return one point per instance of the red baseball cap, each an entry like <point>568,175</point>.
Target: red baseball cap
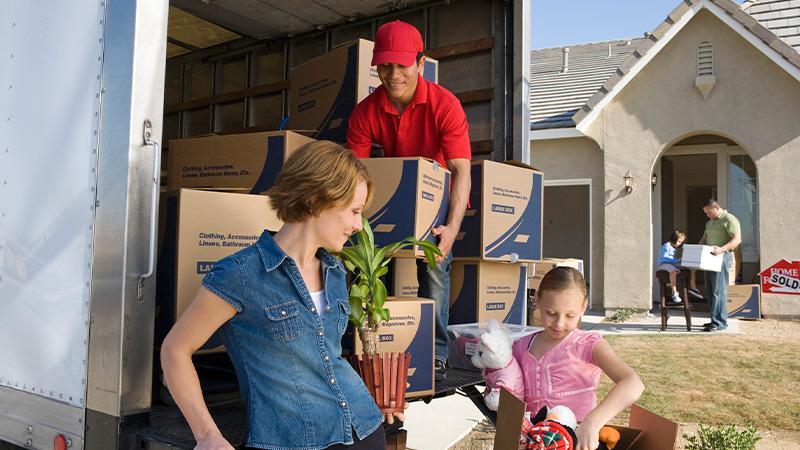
<point>396,42</point>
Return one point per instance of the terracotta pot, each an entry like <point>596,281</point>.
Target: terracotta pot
<point>385,376</point>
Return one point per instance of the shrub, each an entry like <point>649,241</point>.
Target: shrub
<point>723,438</point>
<point>623,314</point>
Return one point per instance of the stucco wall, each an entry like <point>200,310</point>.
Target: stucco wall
<point>754,102</point>
<point>576,158</point>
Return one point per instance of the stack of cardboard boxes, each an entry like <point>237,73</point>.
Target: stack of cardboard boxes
<point>500,233</point>
<point>206,213</point>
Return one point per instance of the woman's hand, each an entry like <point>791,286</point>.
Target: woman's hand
<point>389,418</point>
<point>213,442</point>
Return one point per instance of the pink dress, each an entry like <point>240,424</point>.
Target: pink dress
<point>565,375</point>
<point>509,377</point>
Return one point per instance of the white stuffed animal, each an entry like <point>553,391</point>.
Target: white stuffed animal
<point>500,368</point>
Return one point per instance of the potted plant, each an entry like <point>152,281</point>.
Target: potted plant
<point>384,374</point>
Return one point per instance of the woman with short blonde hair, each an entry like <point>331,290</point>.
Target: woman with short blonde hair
<point>282,307</point>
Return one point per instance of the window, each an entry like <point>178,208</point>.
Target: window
<point>743,202</point>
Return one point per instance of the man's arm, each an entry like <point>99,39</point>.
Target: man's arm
<point>736,239</point>
<point>459,196</point>
<point>359,138</point>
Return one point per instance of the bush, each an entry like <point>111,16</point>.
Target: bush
<point>723,438</point>
<point>623,314</point>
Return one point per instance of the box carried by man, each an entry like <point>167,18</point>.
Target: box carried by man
<point>700,257</point>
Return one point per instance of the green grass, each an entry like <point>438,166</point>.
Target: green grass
<point>715,380</point>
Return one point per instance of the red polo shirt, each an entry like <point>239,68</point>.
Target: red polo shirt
<point>433,125</point>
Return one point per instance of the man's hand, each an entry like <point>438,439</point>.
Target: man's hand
<point>717,250</point>
<point>447,235</point>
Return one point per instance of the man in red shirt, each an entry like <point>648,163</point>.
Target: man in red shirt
<point>410,116</point>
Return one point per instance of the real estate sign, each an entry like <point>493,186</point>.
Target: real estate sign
<point>783,277</point>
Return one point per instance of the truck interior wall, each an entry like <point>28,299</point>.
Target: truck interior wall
<point>450,31</point>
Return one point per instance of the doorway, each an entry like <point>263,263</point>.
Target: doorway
<point>693,171</point>
<point>567,227</point>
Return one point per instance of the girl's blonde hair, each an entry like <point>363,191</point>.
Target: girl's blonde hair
<point>560,279</point>
<point>317,176</point>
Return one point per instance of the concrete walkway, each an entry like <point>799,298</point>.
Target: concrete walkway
<point>445,421</point>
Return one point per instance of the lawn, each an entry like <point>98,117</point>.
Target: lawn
<point>716,379</point>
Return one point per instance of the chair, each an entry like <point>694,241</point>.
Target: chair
<point>682,280</point>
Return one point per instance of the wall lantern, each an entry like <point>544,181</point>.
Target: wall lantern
<point>654,180</point>
<point>628,179</point>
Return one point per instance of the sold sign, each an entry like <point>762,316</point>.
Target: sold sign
<point>783,277</point>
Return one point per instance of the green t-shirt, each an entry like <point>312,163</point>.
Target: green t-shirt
<point>720,230</point>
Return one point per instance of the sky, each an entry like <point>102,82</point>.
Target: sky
<point>558,23</point>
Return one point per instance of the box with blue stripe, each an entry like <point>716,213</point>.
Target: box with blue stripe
<point>198,228</point>
<point>483,290</point>
<point>410,198</point>
<point>244,163</point>
<point>410,330</point>
<point>504,219</point>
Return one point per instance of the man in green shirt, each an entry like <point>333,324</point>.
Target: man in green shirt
<point>724,234</point>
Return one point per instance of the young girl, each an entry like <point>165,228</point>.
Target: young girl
<point>667,261</point>
<point>561,364</point>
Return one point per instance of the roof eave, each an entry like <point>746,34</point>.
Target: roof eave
<point>726,10</point>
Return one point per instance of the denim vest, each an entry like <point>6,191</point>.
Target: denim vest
<point>298,390</point>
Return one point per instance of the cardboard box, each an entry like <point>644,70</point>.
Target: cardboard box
<point>410,330</point>
<point>700,257</point>
<point>326,89</point>
<point>504,219</point>
<point>404,277</point>
<point>483,290</point>
<point>538,269</point>
<point>246,163</point>
<point>464,338</point>
<point>645,431</point>
<point>410,198</point>
<point>744,301</point>
<point>735,272</point>
<point>197,229</point>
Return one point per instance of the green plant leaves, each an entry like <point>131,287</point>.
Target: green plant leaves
<point>367,263</point>
<point>723,438</point>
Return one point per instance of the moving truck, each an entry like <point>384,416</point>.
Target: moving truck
<point>89,100</point>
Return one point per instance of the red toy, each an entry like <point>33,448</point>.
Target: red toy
<point>554,430</point>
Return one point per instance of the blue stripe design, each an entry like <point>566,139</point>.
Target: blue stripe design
<point>273,164</point>
<point>344,103</point>
<point>470,244</point>
<point>464,309</point>
<point>422,351</point>
<point>516,314</point>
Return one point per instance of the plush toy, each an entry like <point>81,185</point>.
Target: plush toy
<point>500,368</point>
<point>554,429</point>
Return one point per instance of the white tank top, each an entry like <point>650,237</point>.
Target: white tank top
<point>319,300</point>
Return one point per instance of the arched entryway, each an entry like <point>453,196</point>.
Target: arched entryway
<point>690,172</point>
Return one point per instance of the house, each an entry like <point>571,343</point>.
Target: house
<point>706,105</point>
